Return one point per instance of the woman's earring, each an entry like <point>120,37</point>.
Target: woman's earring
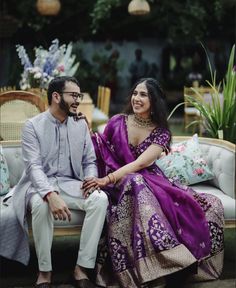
<point>152,113</point>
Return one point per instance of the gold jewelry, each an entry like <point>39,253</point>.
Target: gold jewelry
<point>142,122</point>
<point>112,178</point>
<point>109,181</point>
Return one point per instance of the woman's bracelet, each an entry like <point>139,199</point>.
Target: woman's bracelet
<point>112,178</point>
<point>108,176</point>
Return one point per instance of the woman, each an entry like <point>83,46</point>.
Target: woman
<point>154,227</point>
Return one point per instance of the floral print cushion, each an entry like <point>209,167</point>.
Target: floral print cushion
<point>185,163</point>
<point>4,175</point>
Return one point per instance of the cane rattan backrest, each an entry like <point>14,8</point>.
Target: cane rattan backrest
<point>16,107</point>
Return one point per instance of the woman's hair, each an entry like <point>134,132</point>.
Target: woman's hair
<point>157,101</point>
<point>58,84</point>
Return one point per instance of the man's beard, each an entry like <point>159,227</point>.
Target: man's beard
<point>66,108</point>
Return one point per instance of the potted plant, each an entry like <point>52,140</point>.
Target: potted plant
<point>218,116</point>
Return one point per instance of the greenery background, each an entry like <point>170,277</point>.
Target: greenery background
<point>175,20</point>
<point>180,24</point>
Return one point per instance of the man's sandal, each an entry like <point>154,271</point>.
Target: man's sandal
<point>43,285</point>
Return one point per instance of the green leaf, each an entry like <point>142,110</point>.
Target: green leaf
<point>219,114</point>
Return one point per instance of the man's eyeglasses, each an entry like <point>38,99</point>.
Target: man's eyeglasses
<point>75,95</point>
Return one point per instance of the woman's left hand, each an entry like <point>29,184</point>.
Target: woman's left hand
<point>79,116</point>
<point>94,183</point>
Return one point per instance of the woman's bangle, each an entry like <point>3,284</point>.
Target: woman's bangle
<point>109,179</point>
<point>112,178</point>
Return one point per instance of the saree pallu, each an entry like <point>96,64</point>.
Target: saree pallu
<point>155,227</point>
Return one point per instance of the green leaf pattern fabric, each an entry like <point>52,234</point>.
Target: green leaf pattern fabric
<point>185,163</point>
<point>4,175</point>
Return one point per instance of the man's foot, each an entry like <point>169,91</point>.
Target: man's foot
<point>81,279</point>
<point>80,273</point>
<point>43,277</point>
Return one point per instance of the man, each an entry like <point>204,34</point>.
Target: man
<point>139,68</point>
<point>58,154</point>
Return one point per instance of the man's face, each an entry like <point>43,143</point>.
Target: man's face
<point>70,99</point>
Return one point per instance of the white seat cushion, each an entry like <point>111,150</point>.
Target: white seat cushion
<point>77,217</point>
<point>101,128</point>
<point>98,115</point>
<point>227,201</point>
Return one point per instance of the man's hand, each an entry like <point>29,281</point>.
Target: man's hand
<point>79,116</point>
<point>91,184</point>
<point>58,207</point>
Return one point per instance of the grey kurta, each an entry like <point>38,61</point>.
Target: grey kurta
<point>40,145</point>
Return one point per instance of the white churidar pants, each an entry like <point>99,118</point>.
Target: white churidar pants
<point>42,225</point>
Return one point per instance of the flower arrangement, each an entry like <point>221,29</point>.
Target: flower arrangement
<point>56,61</point>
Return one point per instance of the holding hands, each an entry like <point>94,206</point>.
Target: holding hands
<point>94,183</point>
<point>91,184</point>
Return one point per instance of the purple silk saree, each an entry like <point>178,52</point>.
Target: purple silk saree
<point>154,227</point>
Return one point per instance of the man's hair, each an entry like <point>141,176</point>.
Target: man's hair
<point>58,84</point>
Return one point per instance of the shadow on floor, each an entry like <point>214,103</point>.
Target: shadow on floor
<point>64,254</point>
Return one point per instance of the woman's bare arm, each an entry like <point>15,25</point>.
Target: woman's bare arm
<point>152,153</point>
<point>147,158</point>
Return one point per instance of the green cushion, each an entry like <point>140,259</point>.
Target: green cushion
<point>4,175</point>
<point>185,163</point>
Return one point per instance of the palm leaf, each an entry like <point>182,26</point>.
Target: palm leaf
<point>221,113</point>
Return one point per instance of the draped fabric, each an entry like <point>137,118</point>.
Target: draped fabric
<point>154,226</point>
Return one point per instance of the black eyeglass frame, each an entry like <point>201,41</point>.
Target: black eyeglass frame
<point>75,95</point>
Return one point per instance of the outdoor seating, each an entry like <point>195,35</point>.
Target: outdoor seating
<point>103,101</point>
<point>220,156</point>
<point>101,112</point>
<point>86,107</point>
<point>16,107</point>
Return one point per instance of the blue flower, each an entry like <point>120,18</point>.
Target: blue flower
<point>56,61</point>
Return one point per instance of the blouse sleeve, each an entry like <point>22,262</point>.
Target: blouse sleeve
<point>162,137</point>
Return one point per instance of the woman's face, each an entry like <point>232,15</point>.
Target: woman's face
<point>140,101</point>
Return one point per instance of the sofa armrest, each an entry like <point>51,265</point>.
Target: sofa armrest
<point>13,154</point>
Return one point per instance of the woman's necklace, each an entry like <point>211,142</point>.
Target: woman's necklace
<point>141,122</point>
